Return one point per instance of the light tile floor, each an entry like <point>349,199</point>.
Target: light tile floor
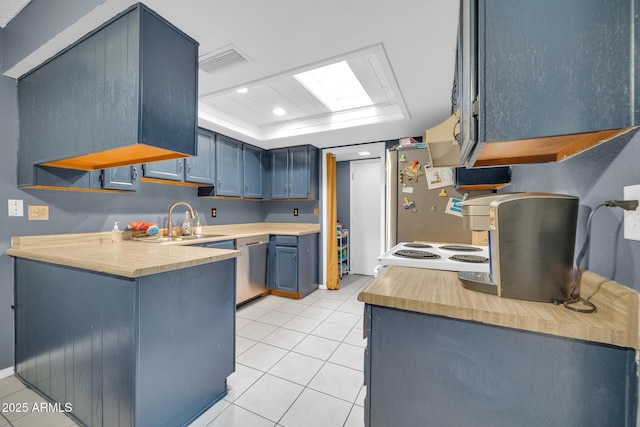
<point>299,363</point>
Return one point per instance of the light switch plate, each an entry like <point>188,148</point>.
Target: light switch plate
<point>16,207</point>
<point>632,218</point>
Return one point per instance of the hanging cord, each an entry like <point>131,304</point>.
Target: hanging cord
<point>578,275</point>
<point>624,204</point>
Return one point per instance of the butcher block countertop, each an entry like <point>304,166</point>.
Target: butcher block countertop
<point>129,258</point>
<point>439,292</point>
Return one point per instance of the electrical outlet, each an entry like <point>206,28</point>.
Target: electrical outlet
<point>214,212</point>
<point>295,211</point>
<point>38,213</point>
<point>632,218</point>
<point>315,211</point>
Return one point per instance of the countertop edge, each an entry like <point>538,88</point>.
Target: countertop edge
<point>616,322</point>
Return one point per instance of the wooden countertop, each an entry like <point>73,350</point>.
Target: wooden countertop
<point>96,252</point>
<point>440,293</point>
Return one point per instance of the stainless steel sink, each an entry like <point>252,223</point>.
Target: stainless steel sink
<point>176,238</point>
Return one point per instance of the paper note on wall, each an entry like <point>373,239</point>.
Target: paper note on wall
<point>407,189</point>
<point>453,207</point>
<point>438,177</point>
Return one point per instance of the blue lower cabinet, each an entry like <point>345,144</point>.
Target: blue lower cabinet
<point>148,351</point>
<point>293,264</point>
<point>425,370</point>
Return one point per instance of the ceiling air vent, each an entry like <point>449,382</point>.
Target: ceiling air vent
<point>223,58</point>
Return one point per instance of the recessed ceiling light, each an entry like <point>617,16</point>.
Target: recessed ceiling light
<point>279,111</point>
<point>242,90</point>
<point>336,86</point>
<point>363,153</point>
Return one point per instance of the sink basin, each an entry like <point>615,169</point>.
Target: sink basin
<point>176,238</point>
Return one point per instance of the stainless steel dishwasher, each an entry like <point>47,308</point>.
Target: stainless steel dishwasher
<point>251,268</point>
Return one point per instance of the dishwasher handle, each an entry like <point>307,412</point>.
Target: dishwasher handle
<point>252,241</point>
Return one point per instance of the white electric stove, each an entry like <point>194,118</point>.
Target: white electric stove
<point>436,256</point>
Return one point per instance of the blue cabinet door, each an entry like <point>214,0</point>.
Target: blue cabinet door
<point>229,172</point>
<point>171,170</point>
<point>253,173</point>
<point>123,178</point>
<point>286,269</point>
<point>200,169</point>
<point>298,172</point>
<point>280,173</point>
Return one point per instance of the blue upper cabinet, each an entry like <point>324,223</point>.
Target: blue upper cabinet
<point>529,69</point>
<point>124,94</point>
<point>171,170</point>
<point>123,178</point>
<point>201,169</point>
<point>294,173</point>
<point>253,172</point>
<point>280,173</point>
<point>197,170</point>
<point>229,171</point>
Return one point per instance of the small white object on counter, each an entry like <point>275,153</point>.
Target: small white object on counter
<point>115,233</point>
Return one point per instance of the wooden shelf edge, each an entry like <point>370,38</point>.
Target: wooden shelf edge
<point>482,187</point>
<point>544,150</point>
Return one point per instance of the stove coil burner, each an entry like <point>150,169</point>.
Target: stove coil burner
<point>416,254</point>
<point>475,259</point>
<point>417,245</point>
<point>460,248</point>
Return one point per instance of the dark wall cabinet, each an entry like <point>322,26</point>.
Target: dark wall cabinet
<point>294,173</point>
<point>293,264</point>
<point>124,94</point>
<point>530,69</point>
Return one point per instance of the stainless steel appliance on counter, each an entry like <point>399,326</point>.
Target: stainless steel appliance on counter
<point>422,215</point>
<point>435,256</point>
<point>251,268</point>
<point>531,244</point>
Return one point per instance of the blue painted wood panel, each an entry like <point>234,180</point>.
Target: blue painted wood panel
<point>280,173</point>
<point>435,371</point>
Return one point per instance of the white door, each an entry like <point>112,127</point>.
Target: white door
<point>367,195</point>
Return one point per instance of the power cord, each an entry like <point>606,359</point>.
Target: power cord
<point>628,205</point>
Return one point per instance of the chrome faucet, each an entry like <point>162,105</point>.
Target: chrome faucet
<point>169,225</point>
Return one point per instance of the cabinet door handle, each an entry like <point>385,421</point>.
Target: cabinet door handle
<point>295,258</point>
<point>219,183</point>
<point>246,186</point>
<point>134,173</point>
<point>188,166</point>
<point>179,166</point>
<point>290,187</point>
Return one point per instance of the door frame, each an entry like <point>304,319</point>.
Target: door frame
<point>377,151</point>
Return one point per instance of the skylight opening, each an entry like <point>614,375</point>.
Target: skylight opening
<point>336,86</point>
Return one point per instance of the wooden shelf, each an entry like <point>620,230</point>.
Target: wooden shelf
<point>544,150</point>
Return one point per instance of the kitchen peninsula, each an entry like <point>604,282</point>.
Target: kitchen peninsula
<point>477,359</point>
<point>129,333</point>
